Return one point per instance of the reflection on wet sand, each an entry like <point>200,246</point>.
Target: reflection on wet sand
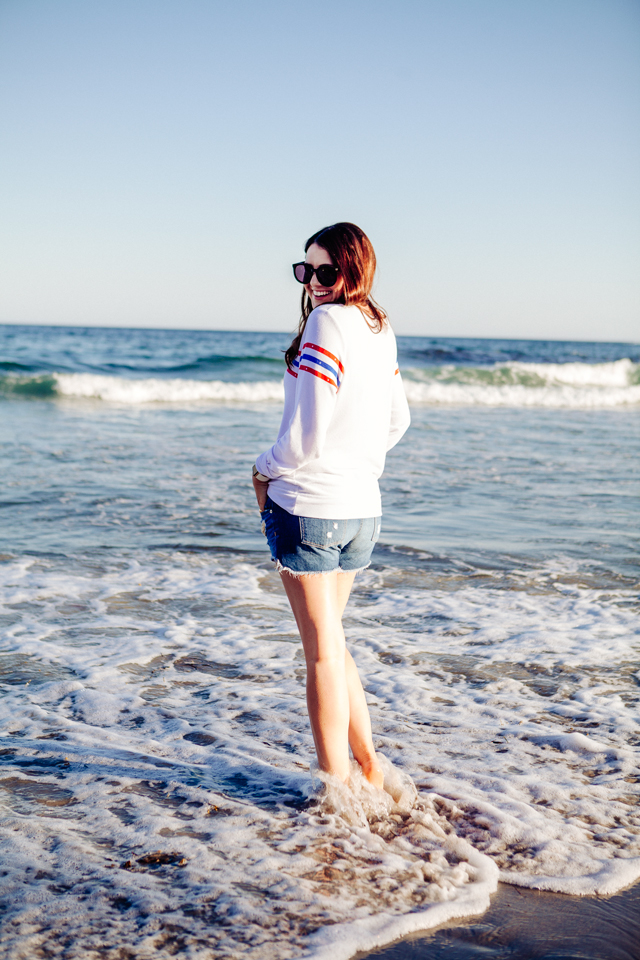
<point>532,925</point>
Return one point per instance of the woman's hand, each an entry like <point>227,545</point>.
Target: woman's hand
<point>261,489</point>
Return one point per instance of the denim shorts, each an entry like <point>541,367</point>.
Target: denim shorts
<point>311,545</point>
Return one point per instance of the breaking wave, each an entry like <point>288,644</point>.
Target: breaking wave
<point>517,384</point>
<point>512,384</point>
<point>151,390</point>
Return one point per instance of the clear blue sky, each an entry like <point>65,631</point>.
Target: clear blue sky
<point>164,160</point>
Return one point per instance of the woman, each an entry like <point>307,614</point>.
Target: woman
<point>317,486</point>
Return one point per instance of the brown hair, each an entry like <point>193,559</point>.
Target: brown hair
<point>352,253</point>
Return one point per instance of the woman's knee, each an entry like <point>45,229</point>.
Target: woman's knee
<point>329,652</point>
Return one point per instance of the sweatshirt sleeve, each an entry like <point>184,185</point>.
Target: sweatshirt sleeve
<point>318,370</point>
<point>400,416</point>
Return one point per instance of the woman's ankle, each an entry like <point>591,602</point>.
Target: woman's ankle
<point>372,772</point>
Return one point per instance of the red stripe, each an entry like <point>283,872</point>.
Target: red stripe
<point>314,346</point>
<point>397,371</point>
<point>289,370</point>
<point>320,375</point>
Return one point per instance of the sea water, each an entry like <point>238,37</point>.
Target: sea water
<point>157,782</point>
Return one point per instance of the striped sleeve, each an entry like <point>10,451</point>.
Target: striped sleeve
<point>295,366</point>
<point>318,370</point>
<point>321,363</point>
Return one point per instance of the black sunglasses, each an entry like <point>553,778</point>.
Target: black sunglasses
<point>326,273</point>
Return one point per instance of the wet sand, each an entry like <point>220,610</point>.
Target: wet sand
<point>526,924</point>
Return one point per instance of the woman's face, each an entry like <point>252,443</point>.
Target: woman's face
<point>316,256</point>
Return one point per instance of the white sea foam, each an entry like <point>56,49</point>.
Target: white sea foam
<point>119,390</point>
<point>618,373</point>
<point>516,384</point>
<point>158,774</point>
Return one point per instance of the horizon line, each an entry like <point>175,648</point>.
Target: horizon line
<point>412,336</point>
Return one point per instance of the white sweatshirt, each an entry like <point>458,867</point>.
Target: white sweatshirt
<point>344,407</point>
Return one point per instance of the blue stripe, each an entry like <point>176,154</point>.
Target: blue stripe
<point>321,363</point>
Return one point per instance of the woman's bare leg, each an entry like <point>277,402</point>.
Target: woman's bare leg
<point>318,603</point>
<point>314,601</point>
<point>360,739</point>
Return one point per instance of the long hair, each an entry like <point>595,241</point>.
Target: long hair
<point>352,253</point>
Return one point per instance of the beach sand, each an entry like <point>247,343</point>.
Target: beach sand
<point>524,924</point>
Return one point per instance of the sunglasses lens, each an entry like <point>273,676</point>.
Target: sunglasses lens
<point>327,275</point>
<point>302,272</point>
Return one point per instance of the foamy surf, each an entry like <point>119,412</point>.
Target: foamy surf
<point>156,765</point>
<point>405,846</point>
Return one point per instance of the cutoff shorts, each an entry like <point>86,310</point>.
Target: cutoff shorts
<point>303,545</point>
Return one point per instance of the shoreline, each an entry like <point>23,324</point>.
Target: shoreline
<point>525,924</point>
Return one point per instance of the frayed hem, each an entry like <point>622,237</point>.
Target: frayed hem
<point>300,573</point>
<point>315,573</point>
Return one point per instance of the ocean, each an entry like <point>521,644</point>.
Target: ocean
<point>157,783</point>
